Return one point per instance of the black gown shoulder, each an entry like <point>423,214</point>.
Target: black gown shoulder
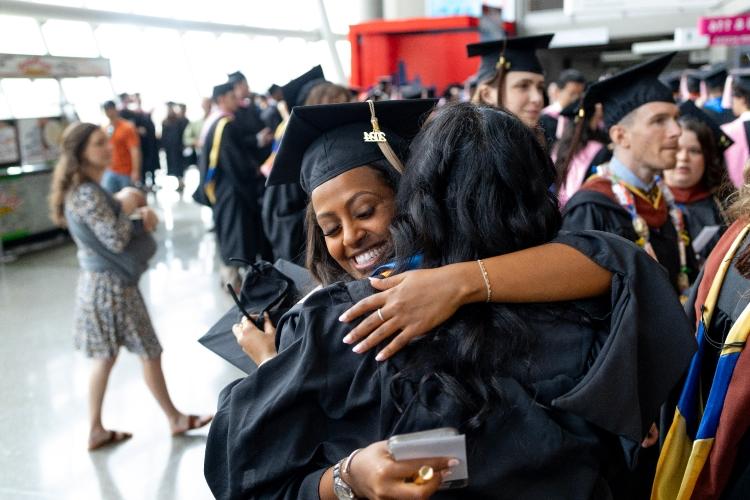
<point>703,213</point>
<point>594,210</point>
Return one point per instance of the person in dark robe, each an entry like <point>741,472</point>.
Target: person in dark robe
<point>256,136</point>
<point>570,87</point>
<point>228,185</point>
<point>627,196</point>
<point>538,424</point>
<point>172,129</point>
<point>284,205</point>
<point>271,116</point>
<point>699,181</point>
<point>737,155</point>
<point>707,450</point>
<point>511,77</point>
<point>714,79</point>
<point>580,149</point>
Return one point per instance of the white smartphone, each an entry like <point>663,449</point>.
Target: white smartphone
<point>442,442</point>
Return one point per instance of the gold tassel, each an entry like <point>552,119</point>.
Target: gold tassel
<point>377,136</point>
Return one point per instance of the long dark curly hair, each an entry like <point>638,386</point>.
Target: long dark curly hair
<point>476,185</point>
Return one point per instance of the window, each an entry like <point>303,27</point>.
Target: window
<point>87,95</point>
<point>32,98</point>
<point>70,38</point>
<point>20,35</point>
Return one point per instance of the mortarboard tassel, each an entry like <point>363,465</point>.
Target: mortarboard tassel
<point>378,136</point>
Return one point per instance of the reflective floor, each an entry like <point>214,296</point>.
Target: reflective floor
<point>43,380</point>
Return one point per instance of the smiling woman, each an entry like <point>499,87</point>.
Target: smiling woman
<point>353,212</point>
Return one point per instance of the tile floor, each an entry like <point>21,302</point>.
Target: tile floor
<point>43,380</point>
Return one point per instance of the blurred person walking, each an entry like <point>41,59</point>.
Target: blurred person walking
<point>125,167</point>
<point>191,136</point>
<point>229,186</point>
<point>172,130</point>
<point>113,235</point>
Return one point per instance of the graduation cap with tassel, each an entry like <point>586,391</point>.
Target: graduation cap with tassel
<point>621,94</point>
<point>508,54</point>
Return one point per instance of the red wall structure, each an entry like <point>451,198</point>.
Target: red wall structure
<point>433,48</point>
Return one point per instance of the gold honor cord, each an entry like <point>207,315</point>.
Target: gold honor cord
<point>378,137</point>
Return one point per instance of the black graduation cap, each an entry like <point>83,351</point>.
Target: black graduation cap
<point>715,77</point>
<point>295,92</point>
<point>672,80</point>
<point>689,110</point>
<point>516,54</point>
<point>323,141</point>
<point>629,89</point>
<point>741,77</point>
<point>221,89</point>
<point>236,77</point>
<point>693,79</point>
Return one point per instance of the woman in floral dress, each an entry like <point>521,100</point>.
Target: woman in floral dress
<point>113,235</point>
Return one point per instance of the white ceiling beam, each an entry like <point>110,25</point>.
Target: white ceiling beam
<point>46,11</point>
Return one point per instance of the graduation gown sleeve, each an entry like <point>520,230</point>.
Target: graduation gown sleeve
<point>649,347</point>
<point>279,429</point>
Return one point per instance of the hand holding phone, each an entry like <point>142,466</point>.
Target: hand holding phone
<point>442,442</point>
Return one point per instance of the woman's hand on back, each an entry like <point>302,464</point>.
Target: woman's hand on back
<point>411,304</point>
<point>374,474</point>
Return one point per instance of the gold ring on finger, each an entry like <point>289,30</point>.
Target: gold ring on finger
<point>424,474</point>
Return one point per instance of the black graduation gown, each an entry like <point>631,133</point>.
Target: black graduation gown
<point>248,123</point>
<point>171,142</point>
<point>594,210</point>
<point>284,221</point>
<point>597,376</point>
<point>700,214</point>
<point>149,143</point>
<point>733,299</point>
<point>548,125</point>
<point>271,117</point>
<point>236,213</point>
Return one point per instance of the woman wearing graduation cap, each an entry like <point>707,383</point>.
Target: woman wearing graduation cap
<point>510,75</point>
<point>316,401</point>
<point>580,149</point>
<point>284,204</point>
<point>699,181</point>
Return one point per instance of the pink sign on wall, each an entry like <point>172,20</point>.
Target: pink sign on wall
<point>726,30</point>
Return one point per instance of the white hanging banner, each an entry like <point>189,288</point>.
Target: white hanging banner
<point>24,66</point>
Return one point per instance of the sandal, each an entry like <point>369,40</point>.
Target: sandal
<point>194,422</point>
<point>113,437</point>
